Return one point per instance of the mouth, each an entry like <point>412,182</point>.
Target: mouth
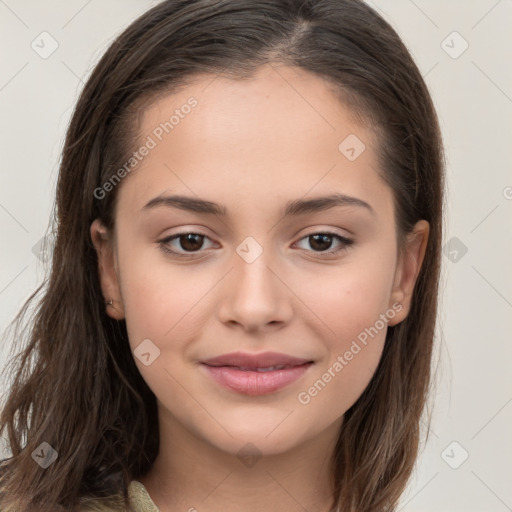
<point>251,369</point>
<point>258,374</point>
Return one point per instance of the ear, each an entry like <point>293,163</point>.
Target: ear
<point>107,269</point>
<point>408,268</point>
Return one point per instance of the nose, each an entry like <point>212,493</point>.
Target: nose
<point>254,297</point>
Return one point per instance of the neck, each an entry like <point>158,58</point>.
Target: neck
<point>193,475</point>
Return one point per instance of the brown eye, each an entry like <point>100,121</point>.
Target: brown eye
<point>191,241</point>
<point>183,244</point>
<point>322,242</point>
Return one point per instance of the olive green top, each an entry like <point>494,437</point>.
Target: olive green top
<point>140,499</point>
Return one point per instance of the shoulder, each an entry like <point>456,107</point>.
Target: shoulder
<point>140,499</point>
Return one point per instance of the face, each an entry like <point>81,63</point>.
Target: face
<point>266,265</point>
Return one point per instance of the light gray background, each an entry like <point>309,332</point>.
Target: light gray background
<point>473,95</point>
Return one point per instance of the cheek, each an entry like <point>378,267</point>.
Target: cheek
<point>161,304</point>
<point>353,353</point>
<point>159,299</point>
<point>349,298</point>
<point>354,304</point>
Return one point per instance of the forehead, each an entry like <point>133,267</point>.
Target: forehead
<point>285,102</point>
<point>281,133</point>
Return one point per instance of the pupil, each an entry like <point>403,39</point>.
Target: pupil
<point>322,242</point>
<point>191,242</point>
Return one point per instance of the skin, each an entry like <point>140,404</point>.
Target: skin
<point>252,146</point>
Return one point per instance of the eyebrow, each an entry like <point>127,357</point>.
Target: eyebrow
<point>293,208</point>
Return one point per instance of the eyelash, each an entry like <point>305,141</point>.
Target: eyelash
<point>345,243</point>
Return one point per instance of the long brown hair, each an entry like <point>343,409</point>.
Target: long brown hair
<point>75,385</point>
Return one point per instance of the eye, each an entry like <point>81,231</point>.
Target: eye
<point>188,242</point>
<point>322,242</point>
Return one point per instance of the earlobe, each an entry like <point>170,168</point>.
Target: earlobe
<point>408,269</point>
<point>107,270</point>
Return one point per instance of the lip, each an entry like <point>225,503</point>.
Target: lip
<point>261,360</point>
<point>238,371</point>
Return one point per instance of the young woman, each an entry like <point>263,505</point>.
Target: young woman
<point>242,300</point>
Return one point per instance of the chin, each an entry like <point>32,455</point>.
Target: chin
<point>256,445</point>
<point>258,437</point>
